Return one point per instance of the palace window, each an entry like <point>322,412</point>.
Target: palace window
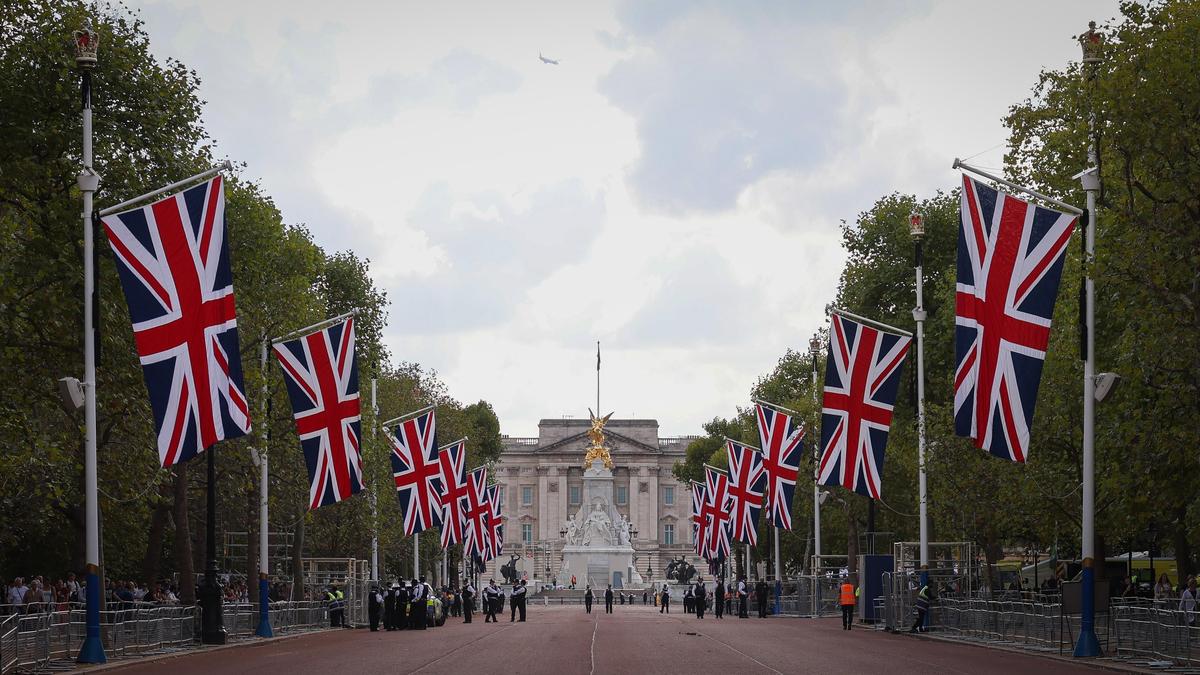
<point>622,495</point>
<point>669,496</point>
<point>526,495</point>
<point>526,533</point>
<point>668,533</point>
<point>573,493</point>
<point>500,493</point>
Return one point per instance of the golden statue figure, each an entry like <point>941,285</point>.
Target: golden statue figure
<point>596,436</point>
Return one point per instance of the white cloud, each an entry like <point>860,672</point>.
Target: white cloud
<point>673,188</point>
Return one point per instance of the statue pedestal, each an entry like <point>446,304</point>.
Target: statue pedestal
<point>597,550</point>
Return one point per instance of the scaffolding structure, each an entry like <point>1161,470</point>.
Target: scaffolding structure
<point>351,575</point>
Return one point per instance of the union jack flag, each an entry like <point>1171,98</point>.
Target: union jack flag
<point>1010,259</point>
<point>321,372</point>
<point>173,260</point>
<point>477,531</point>
<point>416,472</point>
<point>698,519</point>
<point>452,471</point>
<point>716,513</point>
<point>495,521</point>
<point>862,376</point>
<point>782,448</point>
<point>747,480</point>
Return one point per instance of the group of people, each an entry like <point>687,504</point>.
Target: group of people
<point>412,605</point>
<point>696,598</point>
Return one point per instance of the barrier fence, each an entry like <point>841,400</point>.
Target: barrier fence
<point>38,640</point>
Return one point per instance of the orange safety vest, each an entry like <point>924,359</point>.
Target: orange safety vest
<point>847,595</point>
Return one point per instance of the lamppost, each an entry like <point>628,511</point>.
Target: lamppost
<point>916,227</point>
<point>87,46</point>
<point>1087,645</point>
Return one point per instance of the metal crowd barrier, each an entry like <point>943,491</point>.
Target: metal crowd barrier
<point>1160,635</point>
<point>34,641</point>
<point>1030,625</point>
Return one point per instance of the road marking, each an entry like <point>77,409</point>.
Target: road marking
<point>461,647</point>
<point>595,627</point>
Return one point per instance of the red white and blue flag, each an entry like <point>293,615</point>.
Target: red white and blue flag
<point>321,372</point>
<point>477,530</point>
<point>699,526</point>
<point>716,513</point>
<point>782,449</point>
<point>747,480</point>
<point>1010,260</point>
<point>173,260</point>
<point>862,377</point>
<point>495,522</point>
<point>416,472</point>
<point>452,470</point>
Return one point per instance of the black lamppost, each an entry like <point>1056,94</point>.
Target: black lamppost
<point>212,626</point>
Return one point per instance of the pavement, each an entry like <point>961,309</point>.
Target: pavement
<point>638,639</point>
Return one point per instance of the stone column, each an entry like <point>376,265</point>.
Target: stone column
<point>543,498</point>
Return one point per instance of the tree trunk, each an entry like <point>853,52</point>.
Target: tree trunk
<point>1183,548</point>
<point>183,539</point>
<point>298,561</point>
<point>152,562</point>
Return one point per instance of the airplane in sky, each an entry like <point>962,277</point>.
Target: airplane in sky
<point>545,60</point>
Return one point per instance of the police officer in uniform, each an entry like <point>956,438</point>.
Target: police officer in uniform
<point>719,598</point>
<point>374,606</point>
<point>608,599</point>
<point>416,605</point>
<point>698,593</point>
<point>468,600</point>
<point>389,608</point>
<point>519,594</point>
<point>490,595</point>
<point>760,596</point>
<point>587,598</point>
<point>743,595</point>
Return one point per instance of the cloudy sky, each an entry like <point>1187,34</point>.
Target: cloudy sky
<point>673,188</point>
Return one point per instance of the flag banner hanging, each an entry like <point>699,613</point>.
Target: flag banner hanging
<point>416,472</point>
<point>716,512</point>
<point>321,372</point>
<point>782,449</point>
<point>173,260</point>
<point>697,518</point>
<point>1010,260</point>
<point>862,377</point>
<point>477,531</point>
<point>747,480</point>
<point>452,471</point>
<point>495,521</point>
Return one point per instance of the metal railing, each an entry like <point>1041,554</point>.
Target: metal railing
<point>1030,625</point>
<point>37,640</point>
<point>1146,631</point>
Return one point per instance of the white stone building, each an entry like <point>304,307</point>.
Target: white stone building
<point>541,483</point>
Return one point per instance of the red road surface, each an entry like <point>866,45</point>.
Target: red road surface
<point>566,641</point>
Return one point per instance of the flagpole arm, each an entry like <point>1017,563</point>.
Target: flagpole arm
<point>223,166</point>
<point>315,326</point>
<point>869,322</point>
<point>406,416</point>
<point>1019,188</point>
<point>775,406</point>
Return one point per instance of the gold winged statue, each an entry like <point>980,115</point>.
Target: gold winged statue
<point>596,436</point>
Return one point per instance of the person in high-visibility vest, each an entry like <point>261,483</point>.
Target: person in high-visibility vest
<point>922,606</point>
<point>848,597</point>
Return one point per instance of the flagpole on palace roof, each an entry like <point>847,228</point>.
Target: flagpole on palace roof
<point>92,649</point>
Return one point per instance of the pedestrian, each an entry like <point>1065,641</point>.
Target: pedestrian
<point>922,605</point>
<point>491,595</point>
<point>847,597</point>
<point>743,595</point>
<point>645,597</point>
<point>374,603</point>
<point>587,598</point>
<point>719,598</point>
<point>1163,590</point>
<point>665,600</point>
<point>468,600</point>
<point>687,600</point>
<point>572,582</point>
<point>512,602</point>
<point>698,595</point>
<point>760,596</point>
<point>524,597</point>
<point>332,602</point>
<point>608,599</point>
<point>1189,602</point>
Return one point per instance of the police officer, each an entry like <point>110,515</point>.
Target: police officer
<point>416,605</point>
<point>587,598</point>
<point>608,599</point>
<point>332,597</point>
<point>698,597</point>
<point>719,598</point>
<point>490,595</point>
<point>665,600</point>
<point>468,600</point>
<point>743,595</point>
<point>519,595</point>
<point>402,608</point>
<point>760,596</point>
<point>687,600</point>
<point>389,608</point>
<point>374,606</point>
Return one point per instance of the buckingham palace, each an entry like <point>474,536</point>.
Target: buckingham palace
<point>542,486</point>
